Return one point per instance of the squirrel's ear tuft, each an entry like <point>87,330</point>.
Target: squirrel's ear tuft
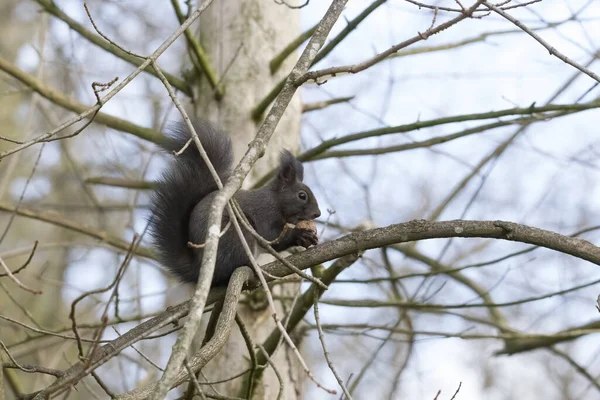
<point>290,169</point>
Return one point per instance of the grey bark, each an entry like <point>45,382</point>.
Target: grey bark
<point>240,38</point>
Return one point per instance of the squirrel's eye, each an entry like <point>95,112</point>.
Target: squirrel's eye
<point>302,195</point>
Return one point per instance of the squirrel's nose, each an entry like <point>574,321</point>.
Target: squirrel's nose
<point>316,215</point>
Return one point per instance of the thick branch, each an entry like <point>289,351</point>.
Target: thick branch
<point>422,230</point>
<point>111,349</point>
<point>349,244</point>
<point>521,345</point>
<point>214,345</point>
<point>121,182</point>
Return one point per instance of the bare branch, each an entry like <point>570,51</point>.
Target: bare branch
<point>353,69</point>
<point>58,220</point>
<point>25,264</point>
<point>50,7</point>
<point>325,352</point>
<point>213,346</point>
<point>16,280</point>
<point>551,49</point>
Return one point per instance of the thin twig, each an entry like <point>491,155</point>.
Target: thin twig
<point>26,263</point>
<point>541,41</point>
<point>52,8</point>
<point>325,352</point>
<point>194,380</point>
<point>352,69</point>
<point>250,346</point>
<point>117,278</point>
<point>457,390</point>
<point>22,195</point>
<point>277,374</point>
<point>94,109</point>
<point>131,53</point>
<point>16,280</point>
<point>267,245</point>
<point>145,357</point>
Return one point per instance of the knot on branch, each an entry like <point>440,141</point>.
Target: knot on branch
<point>507,228</point>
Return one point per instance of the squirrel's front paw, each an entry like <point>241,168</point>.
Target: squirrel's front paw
<point>305,238</point>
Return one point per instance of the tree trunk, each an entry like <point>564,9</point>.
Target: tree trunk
<point>240,38</point>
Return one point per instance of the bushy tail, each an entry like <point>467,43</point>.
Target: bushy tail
<point>185,182</point>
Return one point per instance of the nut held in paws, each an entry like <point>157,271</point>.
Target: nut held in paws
<point>306,224</point>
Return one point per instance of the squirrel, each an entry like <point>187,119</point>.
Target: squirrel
<point>183,195</point>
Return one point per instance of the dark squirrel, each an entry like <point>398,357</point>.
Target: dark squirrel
<point>180,206</point>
